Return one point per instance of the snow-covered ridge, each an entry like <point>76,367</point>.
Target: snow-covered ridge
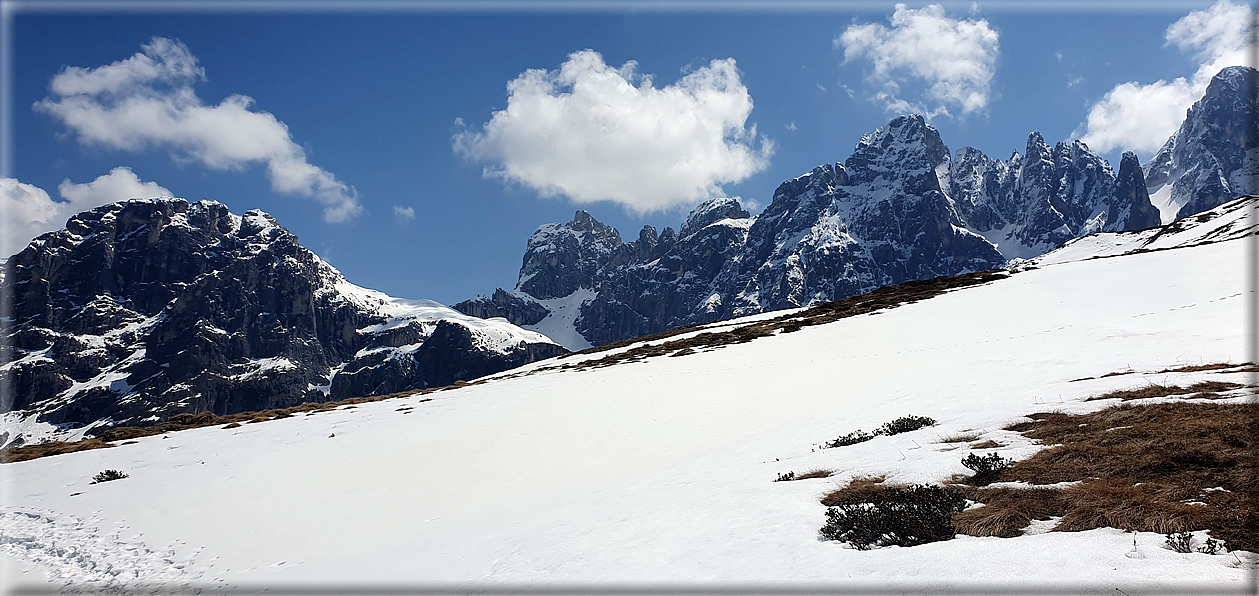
<point>1233,220</point>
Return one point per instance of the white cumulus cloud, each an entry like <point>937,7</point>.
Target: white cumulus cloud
<point>26,211</point>
<point>952,60</point>
<point>148,100</point>
<point>1141,117</point>
<point>591,132</point>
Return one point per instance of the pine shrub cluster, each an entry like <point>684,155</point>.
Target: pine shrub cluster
<point>903,424</point>
<point>907,516</point>
<point>987,468</point>
<point>107,475</point>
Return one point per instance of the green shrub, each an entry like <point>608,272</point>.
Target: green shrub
<point>987,468</point>
<point>904,424</point>
<point>1180,542</point>
<point>785,477</point>
<point>106,476</point>
<point>852,438</point>
<point>908,516</point>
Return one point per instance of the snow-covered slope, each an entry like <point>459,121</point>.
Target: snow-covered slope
<point>1232,220</point>
<point>660,470</point>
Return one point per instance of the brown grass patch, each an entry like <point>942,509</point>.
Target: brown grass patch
<point>1135,468</point>
<point>960,438</point>
<point>1224,366</point>
<point>1007,511</point>
<point>859,489</point>
<point>15,454</point>
<point>1213,366</point>
<point>989,444</point>
<point>1205,388</point>
<point>815,473</point>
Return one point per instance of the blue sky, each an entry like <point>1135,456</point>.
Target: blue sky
<point>377,115</point>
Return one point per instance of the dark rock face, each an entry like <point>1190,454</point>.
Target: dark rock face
<point>517,310</point>
<point>561,258</point>
<point>1131,202</point>
<point>141,310</point>
<point>1214,156</point>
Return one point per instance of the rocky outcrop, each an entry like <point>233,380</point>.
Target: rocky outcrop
<point>516,308</point>
<point>1131,202</point>
<point>1214,156</point>
<point>141,310</point>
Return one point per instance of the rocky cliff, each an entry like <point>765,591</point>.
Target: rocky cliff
<point>141,310</point>
<point>1214,156</point>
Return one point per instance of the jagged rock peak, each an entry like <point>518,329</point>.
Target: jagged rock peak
<point>1036,148</point>
<point>893,144</point>
<point>560,257</point>
<point>1131,208</point>
<point>1211,158</point>
<point>712,211</point>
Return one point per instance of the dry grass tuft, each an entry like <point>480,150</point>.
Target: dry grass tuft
<point>1007,511</point>
<point>1204,389</point>
<point>860,489</point>
<point>960,438</point>
<point>989,444</point>
<point>815,473</point>
<point>1136,466</point>
<point>1213,366</point>
<point>16,454</point>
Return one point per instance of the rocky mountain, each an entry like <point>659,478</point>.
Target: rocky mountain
<point>1214,156</point>
<point>141,310</point>
<point>900,208</point>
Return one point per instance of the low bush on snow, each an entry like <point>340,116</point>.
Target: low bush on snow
<point>987,468</point>
<point>902,516</point>
<point>107,475</point>
<point>903,424</point>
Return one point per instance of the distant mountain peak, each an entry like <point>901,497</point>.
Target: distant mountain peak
<point>156,307</point>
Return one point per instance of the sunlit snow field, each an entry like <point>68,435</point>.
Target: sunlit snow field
<point>659,471</point>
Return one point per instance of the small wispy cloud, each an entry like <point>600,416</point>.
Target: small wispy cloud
<point>1073,81</point>
<point>404,213</point>
<point>791,125</point>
